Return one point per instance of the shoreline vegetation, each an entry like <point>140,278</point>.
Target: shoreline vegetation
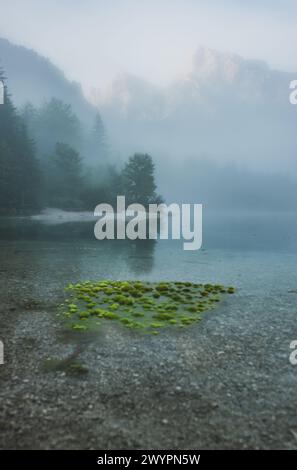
<point>143,306</point>
<point>47,159</point>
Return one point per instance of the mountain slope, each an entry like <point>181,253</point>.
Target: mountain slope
<point>229,108</point>
<point>34,78</point>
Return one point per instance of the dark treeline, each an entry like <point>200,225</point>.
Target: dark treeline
<point>20,175</point>
<point>47,159</point>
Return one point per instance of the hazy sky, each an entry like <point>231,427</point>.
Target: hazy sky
<point>95,40</point>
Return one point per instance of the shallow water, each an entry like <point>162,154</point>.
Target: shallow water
<point>232,369</point>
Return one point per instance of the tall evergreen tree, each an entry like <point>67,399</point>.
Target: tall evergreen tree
<point>64,178</point>
<point>29,114</point>
<point>53,122</point>
<point>98,148</point>
<point>19,170</point>
<point>139,180</point>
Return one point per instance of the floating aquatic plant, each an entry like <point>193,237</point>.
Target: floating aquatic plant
<point>140,305</point>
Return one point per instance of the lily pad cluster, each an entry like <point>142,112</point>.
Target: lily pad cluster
<point>139,305</point>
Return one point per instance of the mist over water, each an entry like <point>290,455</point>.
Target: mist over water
<point>232,230</point>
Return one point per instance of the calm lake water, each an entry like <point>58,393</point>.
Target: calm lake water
<point>255,251</point>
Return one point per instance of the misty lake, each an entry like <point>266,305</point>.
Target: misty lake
<point>246,250</point>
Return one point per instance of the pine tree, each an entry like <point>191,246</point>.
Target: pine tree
<point>55,122</point>
<point>65,178</point>
<point>98,147</point>
<point>19,170</point>
<point>29,114</point>
<point>139,180</point>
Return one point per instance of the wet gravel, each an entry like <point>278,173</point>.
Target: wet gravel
<point>224,383</point>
